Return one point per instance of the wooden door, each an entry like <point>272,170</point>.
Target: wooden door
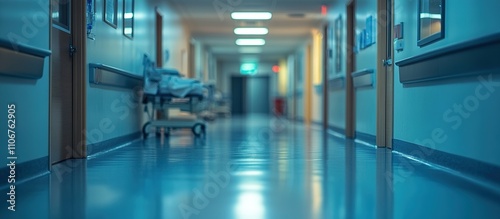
<point>61,82</point>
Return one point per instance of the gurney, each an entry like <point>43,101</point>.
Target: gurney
<point>164,90</point>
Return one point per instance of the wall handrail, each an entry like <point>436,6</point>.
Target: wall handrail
<point>362,72</point>
<point>450,49</point>
<point>337,82</point>
<point>363,78</point>
<point>101,74</point>
<point>473,57</point>
<point>22,61</point>
<point>23,48</point>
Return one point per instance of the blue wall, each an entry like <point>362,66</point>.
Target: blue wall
<point>28,21</point>
<point>366,101</point>
<point>122,107</point>
<point>420,111</point>
<point>300,73</point>
<point>337,98</point>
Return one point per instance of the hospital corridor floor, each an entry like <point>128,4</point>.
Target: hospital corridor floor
<point>251,167</point>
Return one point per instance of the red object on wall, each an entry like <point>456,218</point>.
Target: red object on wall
<point>276,69</point>
<point>324,9</point>
<point>279,106</point>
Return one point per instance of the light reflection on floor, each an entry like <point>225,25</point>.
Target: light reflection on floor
<point>251,168</point>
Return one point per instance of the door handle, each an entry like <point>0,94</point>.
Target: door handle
<point>72,50</point>
<point>387,62</point>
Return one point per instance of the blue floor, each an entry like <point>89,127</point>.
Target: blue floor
<point>255,167</point>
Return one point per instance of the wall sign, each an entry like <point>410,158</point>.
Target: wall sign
<point>367,36</point>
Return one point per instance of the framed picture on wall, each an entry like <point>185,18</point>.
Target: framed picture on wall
<point>128,18</point>
<point>338,44</point>
<point>110,12</point>
<point>331,49</point>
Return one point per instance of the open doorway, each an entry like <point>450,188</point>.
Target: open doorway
<point>250,95</point>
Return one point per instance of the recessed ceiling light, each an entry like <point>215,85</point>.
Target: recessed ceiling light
<point>250,42</point>
<point>251,15</point>
<point>251,31</point>
<point>250,50</point>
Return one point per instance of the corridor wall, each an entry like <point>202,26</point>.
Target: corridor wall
<point>424,111</point>
<point>366,97</point>
<point>121,108</point>
<point>25,22</point>
<point>337,97</point>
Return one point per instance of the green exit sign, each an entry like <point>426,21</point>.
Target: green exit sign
<point>248,68</point>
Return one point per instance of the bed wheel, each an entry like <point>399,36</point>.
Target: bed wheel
<point>198,129</point>
<point>145,129</point>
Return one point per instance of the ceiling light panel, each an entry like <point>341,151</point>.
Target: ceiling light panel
<point>251,15</point>
<point>251,31</point>
<point>250,42</point>
<point>250,50</point>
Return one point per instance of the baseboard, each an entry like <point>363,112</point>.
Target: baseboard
<point>464,165</point>
<point>337,129</point>
<point>110,144</point>
<point>317,123</point>
<point>25,171</point>
<point>368,138</point>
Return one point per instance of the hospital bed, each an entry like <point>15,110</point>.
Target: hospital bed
<point>166,90</point>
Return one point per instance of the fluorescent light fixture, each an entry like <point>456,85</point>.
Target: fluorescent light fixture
<point>432,16</point>
<point>250,172</point>
<point>251,15</point>
<point>250,42</point>
<point>250,50</point>
<point>127,30</point>
<point>128,15</point>
<point>251,31</point>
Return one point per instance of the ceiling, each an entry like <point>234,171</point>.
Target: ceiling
<point>214,27</point>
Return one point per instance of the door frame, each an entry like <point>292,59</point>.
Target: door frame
<point>159,37</point>
<point>79,79</point>
<point>191,60</point>
<point>350,127</point>
<point>308,84</point>
<point>159,47</point>
<point>325,61</point>
<point>385,75</point>
<point>79,71</point>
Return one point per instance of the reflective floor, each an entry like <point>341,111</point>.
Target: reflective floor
<point>254,167</point>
